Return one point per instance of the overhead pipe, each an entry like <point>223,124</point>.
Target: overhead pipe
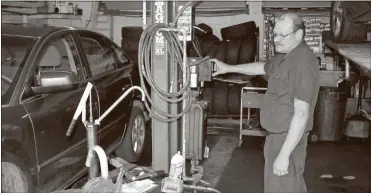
<point>144,15</point>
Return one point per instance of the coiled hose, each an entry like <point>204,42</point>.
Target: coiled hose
<point>176,53</point>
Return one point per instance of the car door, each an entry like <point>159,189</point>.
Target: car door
<point>111,77</point>
<point>59,157</point>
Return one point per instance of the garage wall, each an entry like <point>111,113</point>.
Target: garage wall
<point>104,22</point>
<point>11,18</point>
<point>111,25</point>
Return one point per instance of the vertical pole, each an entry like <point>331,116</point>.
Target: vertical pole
<point>161,134</point>
<point>174,108</point>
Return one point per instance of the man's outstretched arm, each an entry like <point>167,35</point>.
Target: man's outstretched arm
<point>255,68</point>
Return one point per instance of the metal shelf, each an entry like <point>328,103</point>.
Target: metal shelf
<point>250,99</point>
<point>360,54</point>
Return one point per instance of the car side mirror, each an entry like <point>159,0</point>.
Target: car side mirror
<point>57,81</point>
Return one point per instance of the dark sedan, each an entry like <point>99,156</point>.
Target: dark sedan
<point>44,72</point>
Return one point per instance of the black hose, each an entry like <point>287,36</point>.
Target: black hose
<point>175,50</point>
<point>144,60</point>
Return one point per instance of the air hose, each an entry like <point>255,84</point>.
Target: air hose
<point>144,64</point>
<point>175,50</point>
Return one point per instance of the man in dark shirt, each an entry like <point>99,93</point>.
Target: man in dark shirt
<point>288,105</point>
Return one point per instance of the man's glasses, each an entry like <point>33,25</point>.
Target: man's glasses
<point>284,36</point>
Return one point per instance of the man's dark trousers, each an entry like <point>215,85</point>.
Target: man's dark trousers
<point>293,182</point>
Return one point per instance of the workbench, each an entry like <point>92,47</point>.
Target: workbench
<point>359,54</point>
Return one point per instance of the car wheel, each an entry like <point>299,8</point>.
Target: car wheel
<point>344,30</point>
<point>13,179</point>
<point>132,146</point>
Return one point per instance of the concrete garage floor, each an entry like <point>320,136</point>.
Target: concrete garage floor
<point>233,169</point>
<point>243,166</point>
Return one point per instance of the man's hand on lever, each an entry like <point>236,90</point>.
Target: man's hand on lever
<point>250,69</point>
<point>222,68</point>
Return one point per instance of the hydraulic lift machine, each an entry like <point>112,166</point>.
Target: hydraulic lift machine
<point>174,79</point>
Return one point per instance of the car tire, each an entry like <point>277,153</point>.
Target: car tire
<point>234,99</point>
<point>247,50</point>
<point>128,150</point>
<point>239,30</point>
<point>207,42</point>
<point>206,28</point>
<point>220,98</point>
<point>14,175</point>
<point>343,30</point>
<point>131,32</point>
<point>207,95</point>
<point>233,50</point>
<point>221,53</point>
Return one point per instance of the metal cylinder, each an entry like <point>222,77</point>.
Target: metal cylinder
<point>92,140</point>
<point>185,102</point>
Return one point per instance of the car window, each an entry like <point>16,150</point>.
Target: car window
<point>121,56</point>
<point>14,53</point>
<point>59,54</point>
<point>99,53</point>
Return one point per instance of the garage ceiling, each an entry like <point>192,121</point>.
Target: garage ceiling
<point>221,5</point>
<point>206,5</point>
